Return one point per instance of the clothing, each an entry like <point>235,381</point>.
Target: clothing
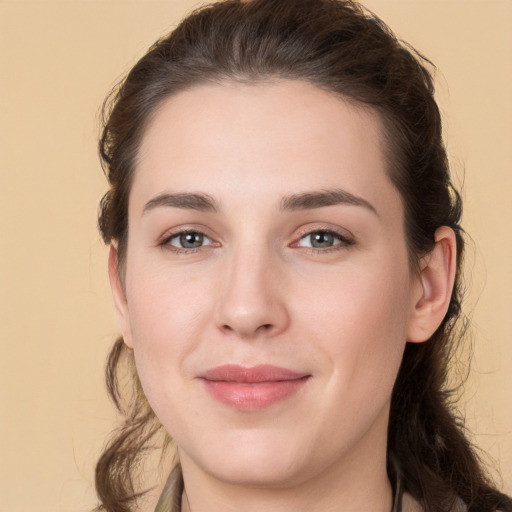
<point>170,499</point>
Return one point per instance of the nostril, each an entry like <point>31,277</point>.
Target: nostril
<point>263,328</point>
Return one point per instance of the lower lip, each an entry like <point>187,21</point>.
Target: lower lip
<point>248,396</point>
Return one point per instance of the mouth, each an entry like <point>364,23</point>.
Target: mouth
<point>254,388</point>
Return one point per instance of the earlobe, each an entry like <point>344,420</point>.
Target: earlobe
<point>119,295</point>
<point>435,280</point>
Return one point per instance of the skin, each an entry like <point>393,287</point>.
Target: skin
<point>256,292</point>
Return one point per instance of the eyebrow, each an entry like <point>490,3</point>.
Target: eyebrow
<point>188,201</point>
<point>321,198</point>
<point>302,201</point>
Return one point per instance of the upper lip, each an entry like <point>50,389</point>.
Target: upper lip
<point>253,374</point>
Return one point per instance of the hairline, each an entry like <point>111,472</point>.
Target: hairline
<point>386,140</point>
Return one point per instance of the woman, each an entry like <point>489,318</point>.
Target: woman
<point>285,253</point>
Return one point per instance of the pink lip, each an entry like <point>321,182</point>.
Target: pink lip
<point>254,388</point>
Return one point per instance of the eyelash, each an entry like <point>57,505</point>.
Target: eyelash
<point>343,241</point>
<point>184,250</point>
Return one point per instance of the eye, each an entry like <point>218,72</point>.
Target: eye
<point>323,239</point>
<point>188,240</point>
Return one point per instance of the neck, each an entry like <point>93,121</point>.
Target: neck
<point>349,498</point>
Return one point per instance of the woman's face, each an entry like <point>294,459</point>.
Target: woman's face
<point>268,295</point>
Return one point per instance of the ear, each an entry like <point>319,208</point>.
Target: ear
<point>119,295</point>
<point>434,287</point>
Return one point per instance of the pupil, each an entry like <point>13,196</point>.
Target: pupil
<point>322,240</point>
<point>191,240</point>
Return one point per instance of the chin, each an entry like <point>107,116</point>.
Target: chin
<point>261,461</point>
<point>268,474</point>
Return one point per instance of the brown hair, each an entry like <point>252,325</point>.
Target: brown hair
<point>337,46</point>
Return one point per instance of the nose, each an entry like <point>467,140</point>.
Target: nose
<point>252,297</point>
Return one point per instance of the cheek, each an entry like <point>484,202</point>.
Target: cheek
<point>166,304</point>
<point>168,311</point>
<point>358,298</point>
<point>360,321</point>
<point>360,331</point>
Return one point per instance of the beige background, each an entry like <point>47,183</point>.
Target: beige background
<point>58,59</point>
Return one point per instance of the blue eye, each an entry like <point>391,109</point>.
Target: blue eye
<point>189,240</point>
<point>322,239</point>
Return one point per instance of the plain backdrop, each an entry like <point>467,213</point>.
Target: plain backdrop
<point>58,59</point>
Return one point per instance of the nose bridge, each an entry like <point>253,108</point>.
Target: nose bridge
<point>251,302</point>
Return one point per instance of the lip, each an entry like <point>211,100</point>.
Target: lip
<point>252,388</point>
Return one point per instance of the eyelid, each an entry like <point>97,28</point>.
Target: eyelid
<point>346,238</point>
<point>178,235</point>
<point>164,240</point>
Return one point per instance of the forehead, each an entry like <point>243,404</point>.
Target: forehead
<point>272,138</point>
